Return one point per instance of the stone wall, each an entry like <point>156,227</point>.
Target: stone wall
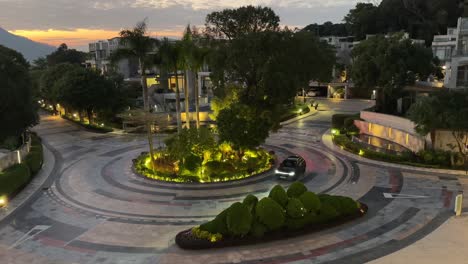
<point>14,157</point>
<point>392,128</point>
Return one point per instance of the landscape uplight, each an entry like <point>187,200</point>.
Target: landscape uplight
<point>335,131</point>
<point>361,152</point>
<point>3,201</point>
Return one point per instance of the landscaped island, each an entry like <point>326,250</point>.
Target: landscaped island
<point>281,215</point>
<point>194,155</point>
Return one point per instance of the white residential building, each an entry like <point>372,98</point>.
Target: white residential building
<point>452,50</point>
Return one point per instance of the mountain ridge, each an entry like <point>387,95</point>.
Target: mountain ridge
<point>30,49</point>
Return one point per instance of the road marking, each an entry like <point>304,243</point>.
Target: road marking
<point>402,196</point>
<point>30,234</point>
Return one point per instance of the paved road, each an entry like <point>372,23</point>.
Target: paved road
<point>96,210</point>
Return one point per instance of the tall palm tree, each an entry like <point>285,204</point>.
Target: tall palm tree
<point>194,55</point>
<point>137,44</point>
<point>171,57</point>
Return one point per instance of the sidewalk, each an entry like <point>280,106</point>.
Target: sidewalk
<point>36,184</point>
<point>446,244</point>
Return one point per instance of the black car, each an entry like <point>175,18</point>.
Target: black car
<point>291,168</point>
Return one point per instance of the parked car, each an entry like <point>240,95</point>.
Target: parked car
<point>291,168</point>
<point>312,93</point>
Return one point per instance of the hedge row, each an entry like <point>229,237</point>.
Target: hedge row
<point>293,209</point>
<point>91,127</point>
<point>345,123</point>
<point>17,176</point>
<point>425,158</point>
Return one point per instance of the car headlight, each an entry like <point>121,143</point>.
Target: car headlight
<point>277,171</point>
<point>292,173</point>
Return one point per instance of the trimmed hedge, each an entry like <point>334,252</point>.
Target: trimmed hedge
<point>239,225</point>
<point>278,194</point>
<point>239,219</point>
<point>14,178</point>
<point>270,213</point>
<point>17,176</point>
<point>296,189</point>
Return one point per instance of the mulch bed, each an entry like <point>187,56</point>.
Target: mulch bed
<point>186,240</point>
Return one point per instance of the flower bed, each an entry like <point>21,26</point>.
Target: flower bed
<point>279,216</point>
<point>211,170</point>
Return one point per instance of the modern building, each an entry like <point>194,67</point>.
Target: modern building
<point>452,50</point>
<point>101,52</point>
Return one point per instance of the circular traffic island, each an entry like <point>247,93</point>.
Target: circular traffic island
<point>283,214</point>
<point>219,164</point>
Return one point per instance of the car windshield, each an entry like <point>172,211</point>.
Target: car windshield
<point>289,163</point>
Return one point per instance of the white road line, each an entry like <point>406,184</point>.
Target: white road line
<point>30,234</point>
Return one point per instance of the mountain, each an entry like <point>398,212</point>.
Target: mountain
<point>31,50</point>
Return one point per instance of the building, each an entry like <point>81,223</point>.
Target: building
<point>452,50</point>
<point>101,52</point>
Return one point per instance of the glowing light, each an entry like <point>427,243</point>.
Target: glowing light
<point>361,152</point>
<point>444,67</point>
<point>3,201</point>
<point>335,131</point>
<point>102,124</point>
<point>75,115</point>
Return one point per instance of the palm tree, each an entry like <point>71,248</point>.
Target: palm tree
<point>194,56</point>
<point>171,57</point>
<point>137,44</point>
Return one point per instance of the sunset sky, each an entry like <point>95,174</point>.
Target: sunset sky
<point>82,21</point>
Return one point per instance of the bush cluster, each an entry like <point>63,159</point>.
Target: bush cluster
<point>425,158</point>
<point>17,176</point>
<point>293,209</point>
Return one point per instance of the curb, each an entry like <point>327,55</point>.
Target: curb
<point>297,118</point>
<point>328,143</point>
<point>32,188</point>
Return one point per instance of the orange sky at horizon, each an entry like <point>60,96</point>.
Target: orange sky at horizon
<point>80,37</point>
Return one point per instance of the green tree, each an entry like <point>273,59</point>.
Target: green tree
<point>328,29</point>
<point>446,111</point>
<point>137,44</point>
<point>40,63</point>
<point>194,53</point>
<point>389,64</point>
<point>86,91</point>
<point>241,126</point>
<point>362,20</point>
<point>64,55</point>
<point>171,55</point>
<point>47,89</point>
<point>233,23</point>
<point>17,111</point>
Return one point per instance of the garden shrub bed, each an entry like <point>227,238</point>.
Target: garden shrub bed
<point>282,215</point>
<point>16,177</point>
<point>293,113</point>
<point>426,159</point>
<point>216,171</point>
<point>90,127</point>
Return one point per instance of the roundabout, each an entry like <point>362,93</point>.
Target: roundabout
<point>97,210</point>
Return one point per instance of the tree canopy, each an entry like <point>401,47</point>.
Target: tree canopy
<point>233,23</point>
<point>328,29</point>
<point>446,111</point>
<point>17,111</point>
<point>389,64</point>
<point>64,55</point>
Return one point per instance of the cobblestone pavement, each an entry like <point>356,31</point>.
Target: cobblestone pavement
<point>94,209</point>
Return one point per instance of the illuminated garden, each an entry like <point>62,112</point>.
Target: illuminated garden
<point>195,155</point>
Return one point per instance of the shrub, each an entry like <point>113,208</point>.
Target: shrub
<point>327,212</point>
<point>346,143</point>
<point>278,194</point>
<point>342,205</point>
<point>203,234</point>
<point>349,125</point>
<point>217,225</point>
<point>295,209</point>
<point>338,121</point>
<point>310,201</point>
<point>217,169</point>
<point>250,201</point>
<point>258,229</point>
<point>299,223</point>
<point>270,213</point>
<point>34,161</point>
<point>14,178</point>
<point>192,162</point>
<point>239,219</point>
<point>296,189</point>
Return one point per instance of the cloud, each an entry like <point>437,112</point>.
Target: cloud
<point>35,18</point>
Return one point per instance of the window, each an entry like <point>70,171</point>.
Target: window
<point>462,76</point>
